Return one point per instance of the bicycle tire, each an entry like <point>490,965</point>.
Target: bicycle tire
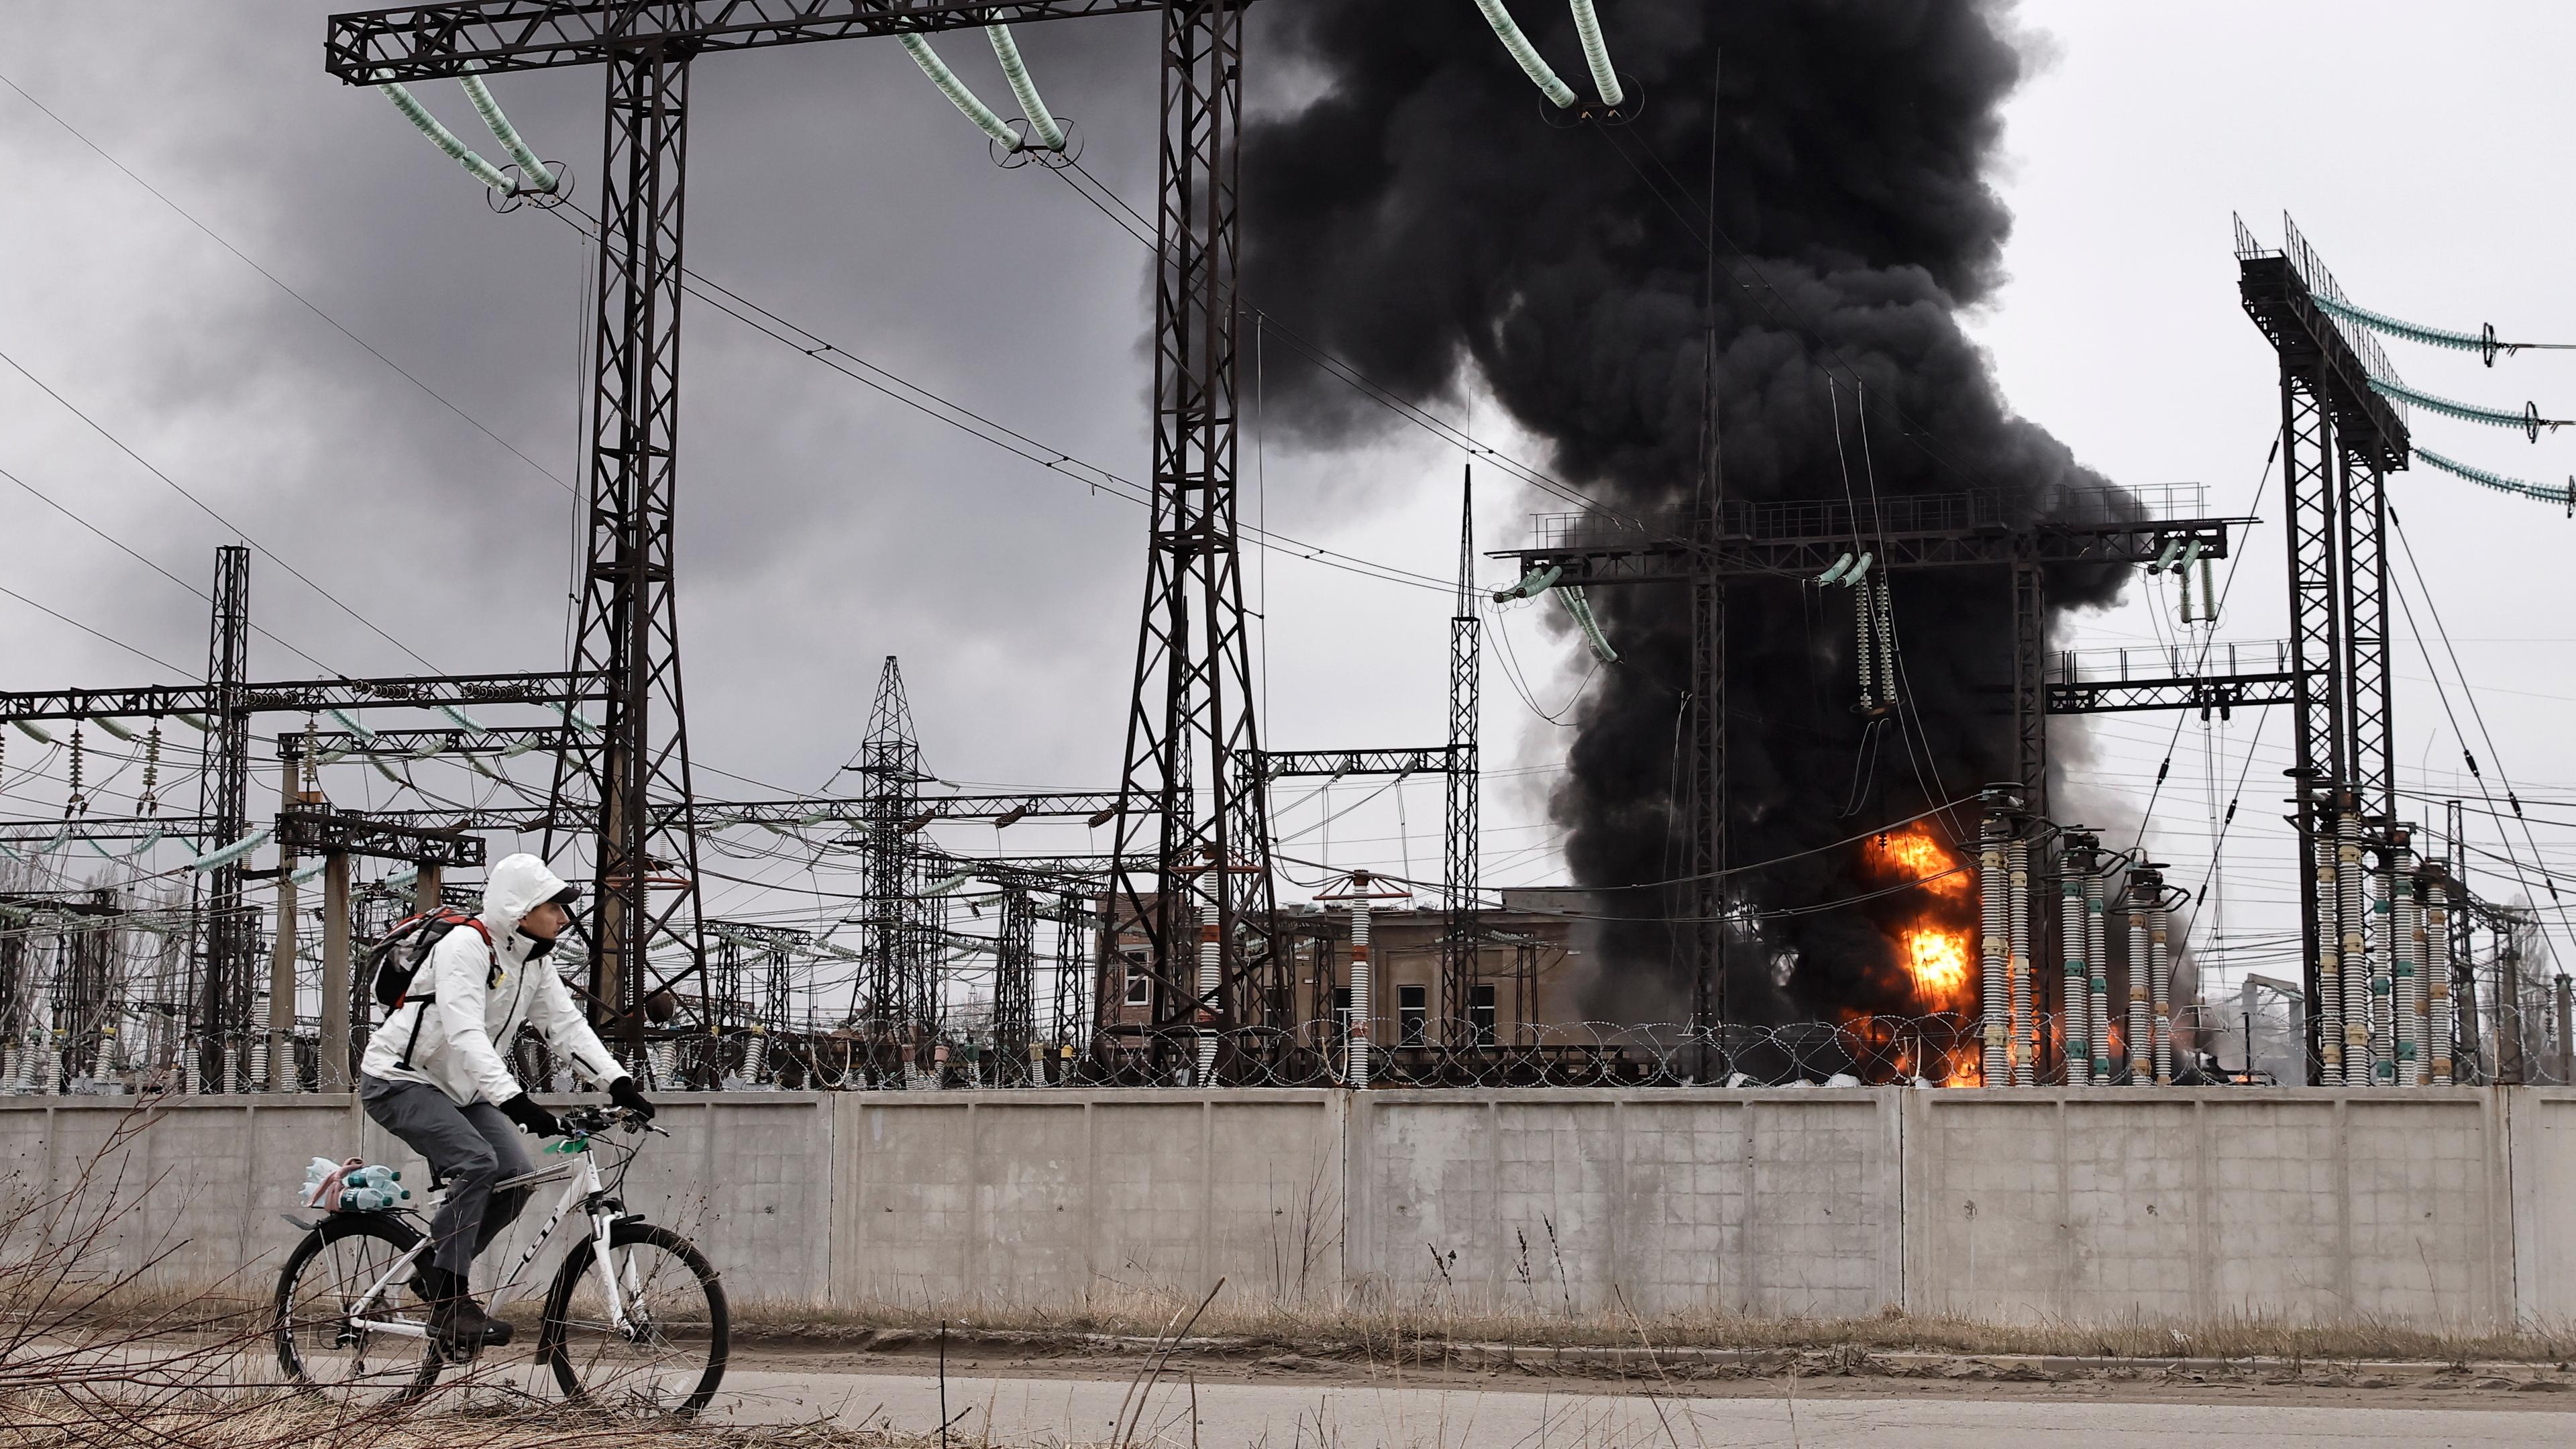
<point>303,1364</point>
<point>556,1345</point>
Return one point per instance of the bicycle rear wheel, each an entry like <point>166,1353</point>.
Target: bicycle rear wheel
<point>669,1357</point>
<point>324,1348</point>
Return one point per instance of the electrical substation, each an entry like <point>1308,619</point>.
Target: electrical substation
<point>216,954</point>
<point>1844,978</point>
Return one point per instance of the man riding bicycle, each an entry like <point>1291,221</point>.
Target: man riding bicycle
<point>434,1076</point>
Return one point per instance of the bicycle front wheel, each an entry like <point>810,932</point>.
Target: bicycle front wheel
<point>669,1353</point>
<point>326,1343</point>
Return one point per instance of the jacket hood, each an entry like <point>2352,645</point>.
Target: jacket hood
<point>517,885</point>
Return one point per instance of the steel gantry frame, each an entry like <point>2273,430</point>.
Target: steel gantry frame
<point>1206,875</point>
<point>2340,438</point>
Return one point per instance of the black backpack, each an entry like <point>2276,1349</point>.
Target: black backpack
<point>395,959</point>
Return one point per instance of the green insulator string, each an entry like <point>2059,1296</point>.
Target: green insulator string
<point>1532,64</point>
<point>541,178</point>
<point>2529,420</point>
<point>1016,71</point>
<point>2483,341</point>
<point>1579,609</point>
<point>443,138</point>
<point>1596,53</point>
<point>958,95</point>
<point>2564,497</point>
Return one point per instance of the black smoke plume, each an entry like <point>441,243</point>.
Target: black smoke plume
<point>1433,219</point>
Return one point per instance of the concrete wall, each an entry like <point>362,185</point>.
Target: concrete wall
<point>1781,1202</point>
<point>2106,1204</point>
<point>2449,1208</point>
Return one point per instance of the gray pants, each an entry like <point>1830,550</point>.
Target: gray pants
<point>472,1147</point>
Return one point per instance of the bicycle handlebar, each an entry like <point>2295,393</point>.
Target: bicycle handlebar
<point>592,1121</point>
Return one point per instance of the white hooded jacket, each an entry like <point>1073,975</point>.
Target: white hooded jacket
<point>451,1040</point>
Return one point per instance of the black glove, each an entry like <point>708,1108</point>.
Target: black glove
<point>536,1120</point>
<point>626,1094</point>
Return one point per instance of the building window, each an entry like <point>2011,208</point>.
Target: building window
<point>1342,1007</point>
<point>1480,1013</point>
<point>1140,986</point>
<point>1412,1013</point>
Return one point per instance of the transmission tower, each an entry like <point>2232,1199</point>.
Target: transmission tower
<point>900,992</point>
<point>2340,438</point>
<point>1460,936</point>
<point>1192,841</point>
<point>1191,716</point>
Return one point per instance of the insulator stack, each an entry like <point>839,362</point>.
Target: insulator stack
<point>2075,1017</point>
<point>1211,977</point>
<point>1864,633</point>
<point>755,1057</point>
<point>1356,1051</point>
<point>2437,979</point>
<point>2329,1003</point>
<point>2141,1053</point>
<point>1886,642</point>
<point>2097,960</point>
<point>1992,940</point>
<point>2159,978</point>
<point>2405,978</point>
<point>2017,859</point>
<point>2383,976</point>
<point>2350,881</point>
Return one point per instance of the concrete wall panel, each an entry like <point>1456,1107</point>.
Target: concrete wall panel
<point>2107,1205</point>
<point>1588,1200</point>
<point>2543,1127</point>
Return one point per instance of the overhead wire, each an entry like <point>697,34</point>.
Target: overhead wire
<point>274,280</point>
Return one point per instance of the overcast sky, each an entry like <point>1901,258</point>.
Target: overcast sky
<point>824,527</point>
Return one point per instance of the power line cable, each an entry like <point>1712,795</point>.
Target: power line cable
<point>200,504</point>
<point>86,629</point>
<point>120,545</point>
<point>309,304</point>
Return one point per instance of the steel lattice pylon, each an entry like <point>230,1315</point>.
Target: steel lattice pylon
<point>224,968</point>
<point>1192,834</point>
<point>898,980</point>
<point>1461,933</point>
<point>1191,719</point>
<point>636,780</point>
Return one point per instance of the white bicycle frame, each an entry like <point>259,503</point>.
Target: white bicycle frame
<point>585,1184</point>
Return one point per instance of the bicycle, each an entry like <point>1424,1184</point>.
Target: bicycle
<point>635,1318</point>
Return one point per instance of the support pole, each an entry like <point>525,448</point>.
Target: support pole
<point>2160,976</point>
<point>2350,882</point>
<point>1993,945</point>
<point>281,957</point>
<point>1356,1067</point>
<point>2075,1014</point>
<point>2017,862</point>
<point>2141,968</point>
<point>2508,1011</point>
<point>333,1074</point>
<point>2436,931</point>
<point>2097,960</point>
<point>2325,997</point>
<point>426,888</point>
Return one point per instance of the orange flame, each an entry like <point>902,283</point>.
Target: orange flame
<point>1937,959</point>
<point>1914,854</point>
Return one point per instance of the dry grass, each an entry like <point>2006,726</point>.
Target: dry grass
<point>1429,1335</point>
<point>56,1421</point>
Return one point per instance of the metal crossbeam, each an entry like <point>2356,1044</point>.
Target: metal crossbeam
<point>323,831</point>
<point>1646,559</point>
<point>301,696</point>
<point>468,37</point>
<point>1280,764</point>
<point>2220,692</point>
